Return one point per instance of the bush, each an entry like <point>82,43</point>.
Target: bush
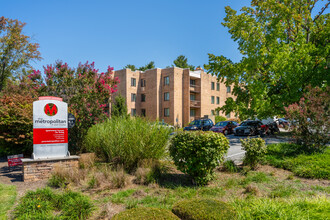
<point>43,203</point>
<point>127,141</point>
<point>293,158</point>
<point>203,209</point>
<point>311,121</point>
<point>229,166</point>
<point>198,153</point>
<point>219,118</point>
<point>145,213</point>
<point>255,150</point>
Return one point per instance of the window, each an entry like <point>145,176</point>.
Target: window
<point>143,112</point>
<point>166,80</point>
<point>218,100</point>
<point>192,97</point>
<point>228,89</point>
<point>212,99</point>
<point>217,112</point>
<point>212,85</point>
<point>133,97</point>
<point>143,97</point>
<point>166,96</point>
<point>212,112</point>
<point>166,112</point>
<point>228,115</point>
<point>143,83</point>
<point>133,112</point>
<point>192,82</point>
<point>218,86</point>
<point>133,82</point>
<point>192,112</point>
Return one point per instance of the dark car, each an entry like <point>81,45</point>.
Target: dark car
<point>199,124</point>
<point>225,127</point>
<point>249,128</point>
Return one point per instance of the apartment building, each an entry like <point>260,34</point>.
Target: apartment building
<point>174,95</point>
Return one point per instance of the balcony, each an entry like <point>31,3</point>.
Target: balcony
<point>195,88</point>
<point>195,104</point>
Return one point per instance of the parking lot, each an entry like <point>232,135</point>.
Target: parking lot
<point>235,151</point>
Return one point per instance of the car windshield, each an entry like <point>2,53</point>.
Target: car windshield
<point>247,123</point>
<point>222,123</point>
<point>197,123</point>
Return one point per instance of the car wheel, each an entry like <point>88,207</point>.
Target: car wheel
<point>225,132</point>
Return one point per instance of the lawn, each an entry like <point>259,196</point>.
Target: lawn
<point>8,197</point>
<point>291,157</point>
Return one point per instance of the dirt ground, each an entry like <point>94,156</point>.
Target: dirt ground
<point>14,176</point>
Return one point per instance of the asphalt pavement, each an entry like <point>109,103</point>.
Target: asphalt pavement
<point>235,151</point>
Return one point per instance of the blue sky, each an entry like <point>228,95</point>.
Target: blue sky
<point>117,33</point>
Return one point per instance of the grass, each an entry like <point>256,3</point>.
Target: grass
<point>8,197</point>
<point>291,157</point>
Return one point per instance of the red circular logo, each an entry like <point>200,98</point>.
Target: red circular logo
<point>50,109</point>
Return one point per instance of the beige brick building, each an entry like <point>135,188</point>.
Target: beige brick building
<point>174,95</point>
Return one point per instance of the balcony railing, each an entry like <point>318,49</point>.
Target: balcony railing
<point>194,88</point>
<point>194,103</point>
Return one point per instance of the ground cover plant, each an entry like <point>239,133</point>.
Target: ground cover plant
<point>127,141</point>
<point>46,204</point>
<point>293,157</point>
<point>8,197</point>
<point>198,154</point>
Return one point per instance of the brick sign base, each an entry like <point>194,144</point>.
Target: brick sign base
<point>41,169</point>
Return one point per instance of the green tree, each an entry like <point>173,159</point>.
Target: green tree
<point>16,50</point>
<point>119,107</point>
<point>182,62</point>
<point>150,65</point>
<point>130,66</point>
<point>284,49</point>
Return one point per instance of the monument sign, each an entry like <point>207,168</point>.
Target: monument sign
<point>50,128</point>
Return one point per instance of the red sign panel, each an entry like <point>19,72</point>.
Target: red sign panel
<point>50,135</point>
<point>15,160</point>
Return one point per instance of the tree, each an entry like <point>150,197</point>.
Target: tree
<point>16,49</point>
<point>284,49</point>
<point>86,91</point>
<point>150,65</point>
<point>130,66</point>
<point>119,108</point>
<point>182,62</point>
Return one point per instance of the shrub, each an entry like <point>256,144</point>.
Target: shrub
<point>118,178</point>
<point>255,150</point>
<point>145,213</point>
<point>150,172</point>
<point>198,153</point>
<point>203,209</point>
<point>219,118</point>
<point>127,141</point>
<point>229,166</point>
<point>310,117</point>
<point>44,203</point>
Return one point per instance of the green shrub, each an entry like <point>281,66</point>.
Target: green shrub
<point>145,213</point>
<point>43,203</point>
<point>127,141</point>
<point>255,151</point>
<point>198,153</point>
<point>203,209</point>
<point>219,118</point>
<point>229,166</point>
<point>293,158</point>
<point>56,181</point>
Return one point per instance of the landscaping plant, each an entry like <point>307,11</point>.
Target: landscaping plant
<point>255,150</point>
<point>310,119</point>
<point>198,153</point>
<point>127,141</point>
<point>146,214</point>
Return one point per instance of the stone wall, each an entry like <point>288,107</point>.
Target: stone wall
<point>40,169</point>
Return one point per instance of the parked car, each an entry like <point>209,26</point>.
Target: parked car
<point>283,123</point>
<point>199,124</point>
<point>225,127</point>
<point>249,127</point>
<point>163,124</point>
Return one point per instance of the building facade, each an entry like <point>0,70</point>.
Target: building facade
<point>174,95</point>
